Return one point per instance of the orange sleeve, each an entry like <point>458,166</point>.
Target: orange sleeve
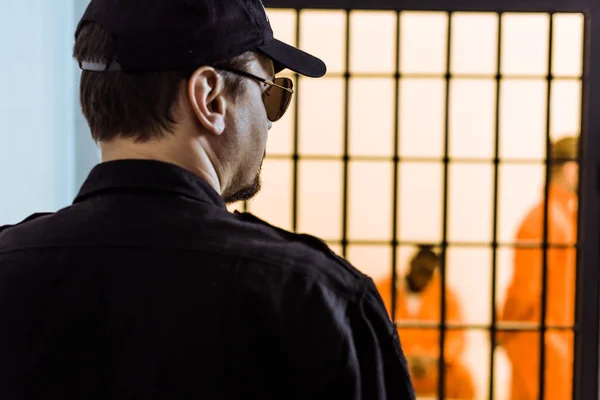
<point>525,289</point>
<point>523,297</point>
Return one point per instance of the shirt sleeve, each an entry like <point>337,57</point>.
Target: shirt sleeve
<point>523,296</point>
<point>372,365</point>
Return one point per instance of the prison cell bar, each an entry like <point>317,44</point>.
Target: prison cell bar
<point>296,135</point>
<point>452,75</point>
<point>409,159</point>
<point>469,245</point>
<point>396,173</point>
<point>495,205</point>
<point>544,295</point>
<point>586,379</point>
<point>505,326</point>
<point>543,6</point>
<point>585,362</point>
<point>446,180</point>
<point>346,139</point>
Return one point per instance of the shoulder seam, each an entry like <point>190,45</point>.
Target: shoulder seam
<point>355,292</point>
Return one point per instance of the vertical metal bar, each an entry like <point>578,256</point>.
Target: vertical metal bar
<point>346,139</point>
<point>493,327</point>
<point>585,376</point>
<point>544,300</point>
<point>443,256</point>
<point>395,194</point>
<point>296,140</point>
<point>441,5</point>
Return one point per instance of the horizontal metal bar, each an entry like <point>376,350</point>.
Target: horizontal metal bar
<point>500,326</point>
<point>419,75</point>
<point>440,5</point>
<point>489,245</point>
<point>586,358</point>
<point>456,160</point>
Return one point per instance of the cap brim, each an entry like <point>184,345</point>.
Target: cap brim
<point>286,56</point>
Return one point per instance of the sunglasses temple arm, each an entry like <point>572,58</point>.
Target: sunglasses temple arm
<point>289,90</point>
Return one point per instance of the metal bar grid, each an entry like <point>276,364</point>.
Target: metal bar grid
<point>450,244</point>
<point>406,159</point>
<point>544,277</point>
<point>346,169</point>
<point>445,215</point>
<point>395,185</point>
<point>557,6</point>
<point>503,326</point>
<point>453,75</point>
<point>296,137</point>
<point>586,358</point>
<point>584,379</point>
<point>495,200</point>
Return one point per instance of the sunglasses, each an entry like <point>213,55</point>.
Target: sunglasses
<point>276,98</point>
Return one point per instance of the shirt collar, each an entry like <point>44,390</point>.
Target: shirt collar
<point>147,175</point>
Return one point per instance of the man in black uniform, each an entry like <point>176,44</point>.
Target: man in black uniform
<point>147,287</point>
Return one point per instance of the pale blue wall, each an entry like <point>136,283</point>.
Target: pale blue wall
<point>87,153</point>
<point>45,150</point>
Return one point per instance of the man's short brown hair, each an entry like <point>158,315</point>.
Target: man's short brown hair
<point>140,105</point>
<point>563,151</point>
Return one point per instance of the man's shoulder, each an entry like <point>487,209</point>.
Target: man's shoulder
<point>532,225</point>
<point>298,253</point>
<point>276,242</point>
<point>23,223</point>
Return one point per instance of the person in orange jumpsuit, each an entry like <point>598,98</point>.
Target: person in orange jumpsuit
<point>523,298</point>
<point>418,300</point>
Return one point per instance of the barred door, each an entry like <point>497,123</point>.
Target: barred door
<point>436,126</point>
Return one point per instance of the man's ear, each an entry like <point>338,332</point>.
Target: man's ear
<point>206,92</point>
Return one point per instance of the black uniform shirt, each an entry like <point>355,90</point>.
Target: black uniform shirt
<point>148,288</point>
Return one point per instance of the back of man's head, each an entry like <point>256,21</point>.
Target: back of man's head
<point>564,165</point>
<point>136,55</point>
<point>141,106</point>
<point>187,82</point>
<point>564,150</point>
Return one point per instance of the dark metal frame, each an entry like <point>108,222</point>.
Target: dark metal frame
<point>586,334</point>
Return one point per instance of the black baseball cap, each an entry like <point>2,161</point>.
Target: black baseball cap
<point>170,35</point>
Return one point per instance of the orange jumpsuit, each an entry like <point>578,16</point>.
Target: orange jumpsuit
<point>425,342</point>
<point>523,300</point>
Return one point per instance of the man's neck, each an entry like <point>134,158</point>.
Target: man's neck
<point>562,184</point>
<point>190,155</point>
